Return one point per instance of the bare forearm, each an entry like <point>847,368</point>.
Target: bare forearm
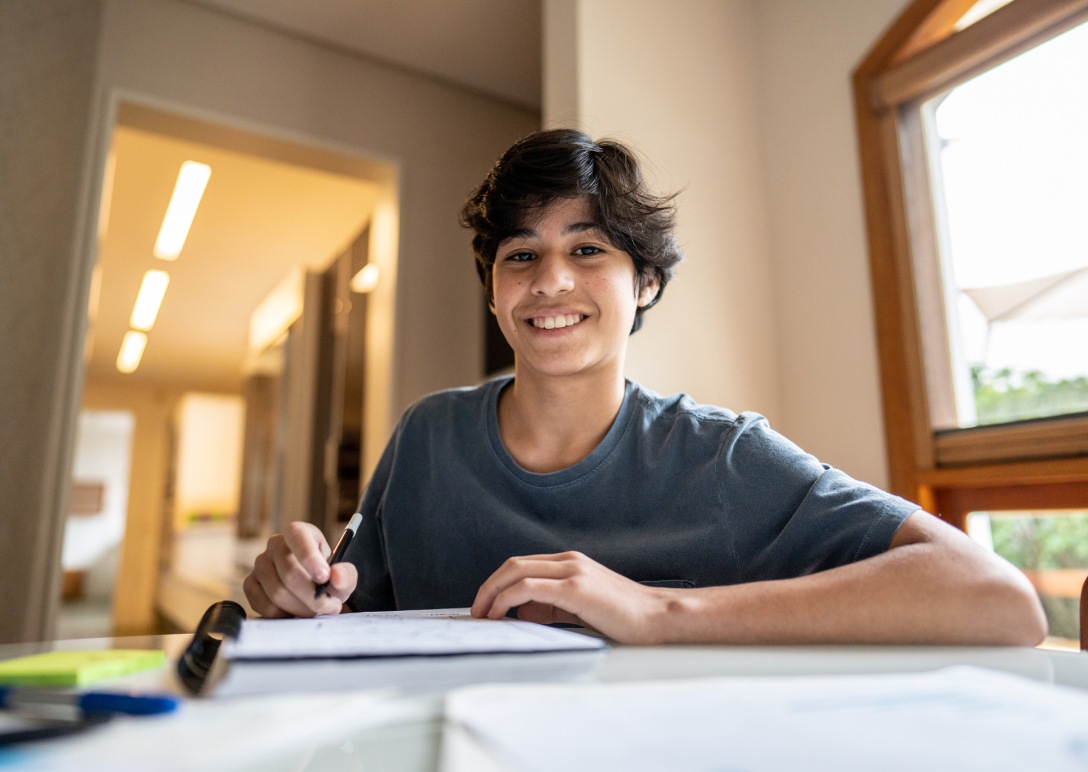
<point>933,585</point>
<point>943,592</point>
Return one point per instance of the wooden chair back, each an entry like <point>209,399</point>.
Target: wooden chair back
<point>1084,616</point>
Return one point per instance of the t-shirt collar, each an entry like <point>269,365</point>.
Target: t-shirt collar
<point>584,467</point>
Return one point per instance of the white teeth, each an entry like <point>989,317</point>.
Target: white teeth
<point>555,322</point>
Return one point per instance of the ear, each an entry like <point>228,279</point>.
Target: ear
<point>648,292</point>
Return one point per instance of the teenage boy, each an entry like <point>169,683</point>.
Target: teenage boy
<point>576,496</point>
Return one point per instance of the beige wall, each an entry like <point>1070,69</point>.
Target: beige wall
<point>827,351</point>
<point>747,103</point>
<point>47,54</point>
<point>677,80</point>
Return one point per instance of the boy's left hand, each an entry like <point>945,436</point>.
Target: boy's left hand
<point>570,587</point>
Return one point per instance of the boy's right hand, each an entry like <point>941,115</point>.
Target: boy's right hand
<point>286,574</point>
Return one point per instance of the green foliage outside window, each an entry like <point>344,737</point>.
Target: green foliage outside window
<point>1042,543</point>
<point>1002,396</point>
<point>1045,543</point>
<point>1037,543</point>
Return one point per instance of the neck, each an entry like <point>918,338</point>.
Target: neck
<point>549,423</point>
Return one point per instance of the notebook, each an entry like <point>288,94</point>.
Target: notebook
<point>232,656</point>
<point>433,632</point>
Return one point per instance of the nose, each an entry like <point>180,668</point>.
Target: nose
<point>553,275</point>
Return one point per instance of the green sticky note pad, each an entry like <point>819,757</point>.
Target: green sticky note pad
<point>77,668</point>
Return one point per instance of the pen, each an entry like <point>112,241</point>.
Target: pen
<point>337,555</point>
<point>87,702</point>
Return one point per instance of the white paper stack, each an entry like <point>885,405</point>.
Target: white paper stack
<point>954,719</point>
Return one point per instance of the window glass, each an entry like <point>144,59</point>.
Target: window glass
<point>1052,549</point>
<point>1009,167</point>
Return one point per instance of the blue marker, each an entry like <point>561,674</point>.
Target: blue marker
<point>90,703</point>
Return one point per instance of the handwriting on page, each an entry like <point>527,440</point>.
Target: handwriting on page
<point>418,633</point>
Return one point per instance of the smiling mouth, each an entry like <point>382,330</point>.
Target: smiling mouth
<point>555,322</point>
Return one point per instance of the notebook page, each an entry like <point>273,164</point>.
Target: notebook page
<point>433,632</point>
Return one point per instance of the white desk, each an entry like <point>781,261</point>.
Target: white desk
<point>403,731</point>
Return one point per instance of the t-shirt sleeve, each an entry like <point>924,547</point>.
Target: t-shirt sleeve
<point>789,514</point>
<point>374,592</point>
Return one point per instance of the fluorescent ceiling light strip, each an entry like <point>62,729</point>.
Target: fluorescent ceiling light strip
<point>149,300</point>
<point>192,179</point>
<point>132,349</point>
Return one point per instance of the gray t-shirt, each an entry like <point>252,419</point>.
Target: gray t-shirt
<point>676,491</point>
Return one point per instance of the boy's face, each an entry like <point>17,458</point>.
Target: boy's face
<point>564,296</point>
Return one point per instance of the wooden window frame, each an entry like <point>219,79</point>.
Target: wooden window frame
<point>1043,463</point>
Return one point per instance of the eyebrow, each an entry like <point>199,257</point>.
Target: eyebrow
<point>580,227</point>
<point>531,233</point>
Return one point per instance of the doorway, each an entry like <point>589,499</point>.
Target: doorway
<point>250,347</point>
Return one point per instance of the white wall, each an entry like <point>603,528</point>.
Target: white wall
<point>103,455</point>
<point>445,139</point>
<point>748,104</point>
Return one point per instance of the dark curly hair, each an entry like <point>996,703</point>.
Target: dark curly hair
<point>564,163</point>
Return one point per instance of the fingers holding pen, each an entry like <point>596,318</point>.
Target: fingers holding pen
<point>294,563</point>
<point>306,542</point>
<point>299,582</point>
<point>259,600</point>
<point>272,586</point>
<point>342,580</point>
